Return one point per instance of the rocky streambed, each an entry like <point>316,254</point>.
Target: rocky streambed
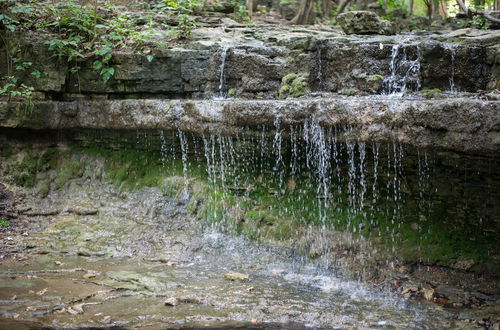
<point>92,255</point>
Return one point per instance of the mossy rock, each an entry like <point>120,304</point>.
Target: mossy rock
<point>294,85</point>
<point>431,93</point>
<point>24,170</point>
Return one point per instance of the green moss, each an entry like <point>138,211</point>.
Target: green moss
<point>24,171</point>
<point>4,223</point>
<point>375,77</point>
<point>231,92</point>
<point>173,186</point>
<point>49,159</point>
<point>43,188</point>
<point>6,151</point>
<point>294,85</point>
<point>70,170</point>
<point>430,93</point>
<point>132,169</point>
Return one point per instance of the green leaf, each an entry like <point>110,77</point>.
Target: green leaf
<point>97,65</point>
<point>37,74</point>
<point>107,73</point>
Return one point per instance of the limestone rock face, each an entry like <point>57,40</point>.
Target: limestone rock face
<point>364,22</point>
<point>7,203</point>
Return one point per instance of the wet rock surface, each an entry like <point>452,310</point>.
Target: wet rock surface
<point>7,203</point>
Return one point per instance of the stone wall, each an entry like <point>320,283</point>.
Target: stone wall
<point>254,68</point>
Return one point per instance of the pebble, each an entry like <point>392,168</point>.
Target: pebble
<point>428,294</point>
<point>234,276</point>
<point>171,302</point>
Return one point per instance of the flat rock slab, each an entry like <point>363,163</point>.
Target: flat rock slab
<point>459,124</point>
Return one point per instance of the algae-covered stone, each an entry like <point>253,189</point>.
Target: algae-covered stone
<point>234,276</point>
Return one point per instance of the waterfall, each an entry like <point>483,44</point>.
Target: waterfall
<point>163,149</point>
<point>184,150</point>
<point>453,53</point>
<point>279,164</point>
<point>222,72</point>
<point>404,71</point>
<point>319,64</point>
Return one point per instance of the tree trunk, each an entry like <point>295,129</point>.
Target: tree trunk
<point>410,7</point>
<point>443,9</point>
<point>342,7</point>
<point>327,8</point>
<point>304,13</point>
<point>430,7</point>
<point>249,4</point>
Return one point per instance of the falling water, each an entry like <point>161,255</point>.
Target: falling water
<point>222,72</point>
<point>278,167</point>
<point>404,71</point>
<point>319,72</point>
<point>184,150</point>
<point>163,148</point>
<point>350,185</point>
<point>453,51</point>
<point>210,158</point>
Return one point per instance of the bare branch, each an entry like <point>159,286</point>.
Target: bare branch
<point>469,12</point>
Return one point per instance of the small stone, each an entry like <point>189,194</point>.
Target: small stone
<point>71,311</point>
<point>89,275</point>
<point>278,271</point>
<point>58,263</point>
<point>428,294</point>
<point>463,264</point>
<point>250,289</point>
<point>83,211</point>
<point>78,308</point>
<point>496,326</point>
<point>42,292</point>
<point>414,226</point>
<point>171,302</point>
<point>234,276</point>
